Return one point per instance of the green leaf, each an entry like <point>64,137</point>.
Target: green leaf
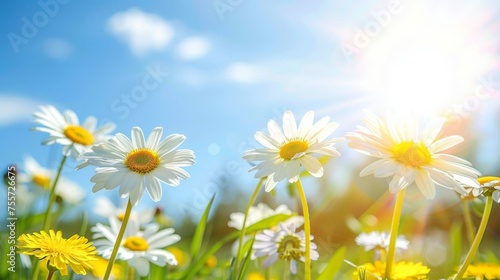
<point>490,257</point>
<point>478,207</point>
<point>194,267</point>
<point>268,223</point>
<point>333,265</point>
<point>200,230</point>
<point>85,223</point>
<point>264,224</point>
<point>456,246</point>
<point>247,248</point>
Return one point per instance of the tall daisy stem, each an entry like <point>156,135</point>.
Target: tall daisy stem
<point>477,239</point>
<point>130,273</point>
<point>396,218</point>
<point>118,241</point>
<point>307,229</point>
<point>52,196</point>
<point>243,226</point>
<point>286,272</point>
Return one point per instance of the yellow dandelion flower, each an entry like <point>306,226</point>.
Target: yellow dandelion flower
<point>76,251</point>
<point>483,271</point>
<point>99,269</point>
<point>179,255</point>
<point>400,271</point>
<point>211,262</point>
<point>257,276</point>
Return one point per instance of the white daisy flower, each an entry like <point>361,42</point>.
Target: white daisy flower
<point>287,149</point>
<point>256,214</point>
<point>261,212</point>
<point>40,178</point>
<point>67,131</point>
<point>284,244</point>
<point>489,185</point>
<point>380,240</point>
<point>105,208</point>
<point>138,164</point>
<point>138,248</point>
<point>409,156</point>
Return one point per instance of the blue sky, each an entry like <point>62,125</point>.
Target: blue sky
<point>224,68</point>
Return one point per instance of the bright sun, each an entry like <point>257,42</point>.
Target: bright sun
<point>424,65</point>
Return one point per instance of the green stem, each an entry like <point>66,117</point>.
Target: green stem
<point>52,197</point>
<point>51,273</point>
<point>477,239</point>
<point>307,229</point>
<point>36,272</point>
<point>130,273</point>
<point>286,272</point>
<point>48,213</point>
<point>383,255</point>
<point>243,227</point>
<point>118,241</point>
<point>468,221</point>
<point>396,218</point>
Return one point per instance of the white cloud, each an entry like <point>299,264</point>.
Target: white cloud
<point>57,48</point>
<point>16,109</point>
<point>143,32</point>
<point>193,48</point>
<point>243,73</point>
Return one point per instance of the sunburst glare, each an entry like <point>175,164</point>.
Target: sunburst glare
<point>424,62</point>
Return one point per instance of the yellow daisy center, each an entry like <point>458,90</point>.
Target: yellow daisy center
<point>487,179</point>
<point>41,180</point>
<point>289,248</point>
<point>79,135</point>
<point>136,243</point>
<point>290,149</point>
<point>411,154</point>
<point>142,161</point>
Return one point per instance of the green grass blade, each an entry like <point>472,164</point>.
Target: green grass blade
<point>200,230</point>
<point>333,265</point>
<point>267,223</point>
<point>247,248</point>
